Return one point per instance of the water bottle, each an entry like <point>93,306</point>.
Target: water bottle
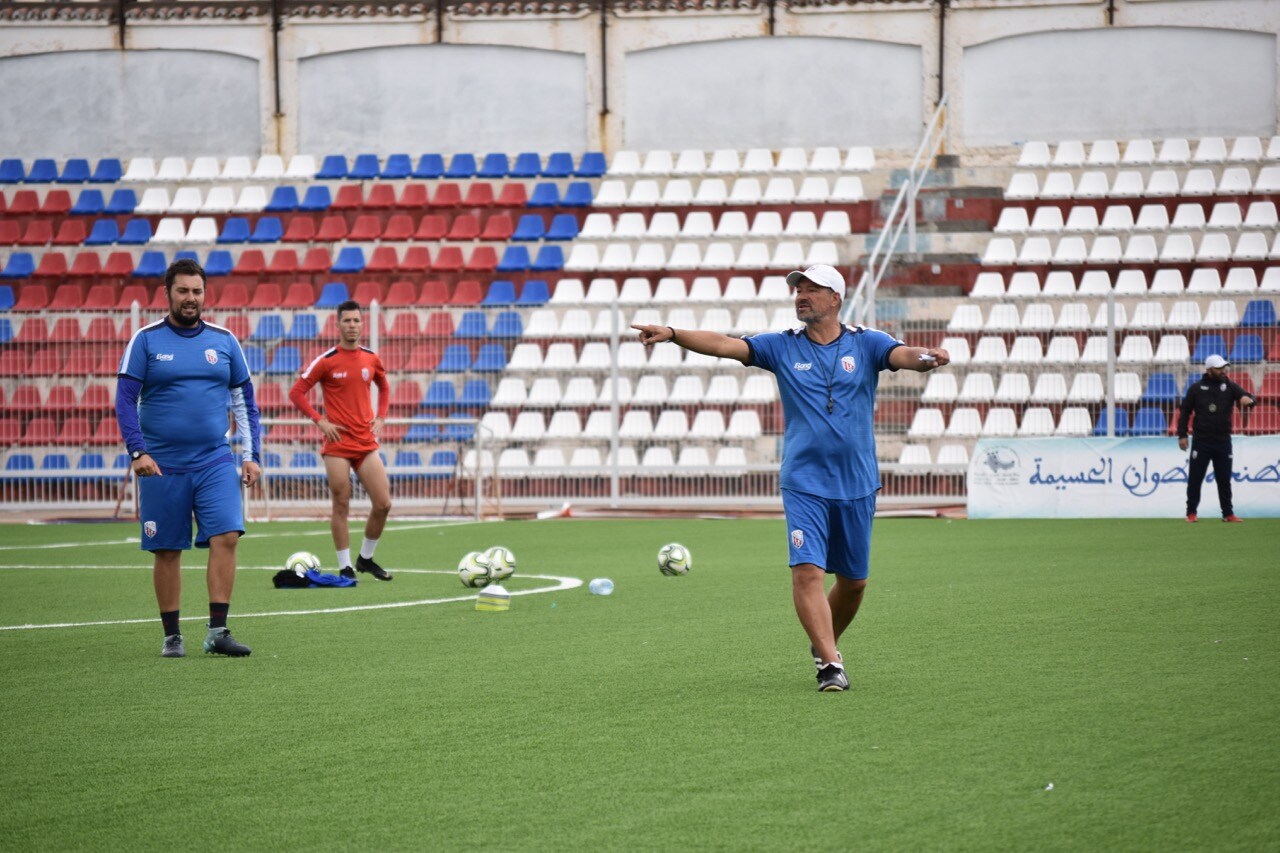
<point>601,586</point>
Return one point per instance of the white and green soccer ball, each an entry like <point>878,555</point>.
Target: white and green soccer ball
<point>302,562</point>
<point>674,559</point>
<point>475,570</point>
<point>502,563</point>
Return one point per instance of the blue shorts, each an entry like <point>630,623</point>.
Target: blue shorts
<point>833,535</point>
<point>167,503</point>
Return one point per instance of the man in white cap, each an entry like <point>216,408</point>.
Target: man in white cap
<point>1211,399</point>
<point>827,374</point>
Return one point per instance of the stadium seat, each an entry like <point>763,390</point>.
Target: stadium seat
<point>332,295</point>
<point>332,168</point>
<point>317,198</point>
<point>284,199</point>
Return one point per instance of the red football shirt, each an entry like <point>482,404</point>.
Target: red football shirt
<point>344,376</point>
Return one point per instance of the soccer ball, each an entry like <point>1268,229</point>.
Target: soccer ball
<point>302,562</point>
<point>475,570</point>
<point>674,559</point>
<point>502,561</point>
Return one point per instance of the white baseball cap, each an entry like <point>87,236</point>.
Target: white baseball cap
<point>1215,361</point>
<point>821,275</point>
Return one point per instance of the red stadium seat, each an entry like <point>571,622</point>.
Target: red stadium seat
<point>10,232</point>
<point>447,195</point>
<point>439,324</point>
<point>107,432</point>
<point>405,325</point>
<point>367,291</point>
<point>14,362</point>
<point>434,293</point>
<point>348,197</point>
<point>34,331</point>
<point>26,398</point>
<point>381,197</point>
<point>68,297</point>
<point>159,299</point>
<point>101,297</point>
<point>266,295</point>
<point>62,398</point>
<point>24,203</point>
<point>469,292</point>
<point>40,430</point>
<point>251,263</point>
<point>70,233</point>
<point>118,264</point>
<point>432,227</point>
<point>271,398</point>
<point>52,265</point>
<point>102,330</point>
<point>132,293</point>
<point>75,430</point>
<point>39,233</point>
<point>1270,388</point>
<point>512,195</point>
<point>464,227</point>
<point>479,194</point>
<point>86,264</point>
<point>299,295</point>
<point>56,203</point>
<point>233,294</point>
<point>316,262</point>
<point>236,324</point>
<point>401,294</point>
<point>10,429</point>
<point>383,260</point>
<point>283,262</point>
<point>366,229</point>
<point>96,398</point>
<point>399,228</point>
<point>405,397</point>
<point>498,228</point>
<point>332,230</point>
<point>82,361</point>
<point>416,259</point>
<point>302,229</point>
<point>448,259</point>
<point>32,297</point>
<point>109,361</point>
<point>66,330</point>
<point>483,259</point>
<point>424,357</point>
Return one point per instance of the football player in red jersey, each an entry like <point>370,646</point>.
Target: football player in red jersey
<point>350,431</point>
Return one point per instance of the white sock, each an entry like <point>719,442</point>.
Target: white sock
<point>344,558</point>
<point>367,549</point>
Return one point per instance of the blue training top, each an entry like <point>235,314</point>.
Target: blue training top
<point>831,454</point>
<point>174,389</point>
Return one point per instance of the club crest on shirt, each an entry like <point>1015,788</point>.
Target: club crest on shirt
<point>847,363</point>
<point>1222,387</point>
<point>149,528</point>
<point>797,538</point>
<point>364,374</point>
<point>211,356</point>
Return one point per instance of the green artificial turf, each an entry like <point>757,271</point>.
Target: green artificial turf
<point>1130,664</point>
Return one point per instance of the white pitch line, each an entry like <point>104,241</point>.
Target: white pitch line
<point>562,583</point>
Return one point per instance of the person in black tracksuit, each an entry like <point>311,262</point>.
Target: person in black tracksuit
<point>1211,399</point>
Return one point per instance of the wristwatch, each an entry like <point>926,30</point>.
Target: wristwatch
<point>137,454</point>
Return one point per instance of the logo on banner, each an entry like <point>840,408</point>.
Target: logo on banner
<point>847,363</point>
<point>149,528</point>
<point>998,465</point>
<point>364,374</point>
<point>211,356</point>
<point>797,538</point>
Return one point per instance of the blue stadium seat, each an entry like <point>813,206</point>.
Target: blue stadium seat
<point>514,259</point>
<point>74,171</point>
<point>234,230</point>
<point>91,462</point>
<point>88,203</point>
<point>1209,345</point>
<point>108,171</point>
<point>456,359</point>
<point>1247,350</point>
<point>20,462</point>
<point>137,232</point>
<point>122,462</point>
<point>476,392</point>
<point>1149,421</point>
<point>268,230</point>
<point>530,227</point>
<point>501,292</point>
<point>407,459</point>
<point>187,253</point>
<point>55,462</point>
<point>528,165</point>
<point>270,328</point>
<point>445,462</point>
<point>365,168</point>
<point>458,431</point>
<point>494,166</point>
<point>545,194</point>
<point>549,258</point>
<point>507,325</point>
<point>471,325</point>
<point>1259,313</point>
<point>462,166</point>
<point>1122,422</point>
<point>317,198</point>
<point>12,171</point>
<point>429,166</point>
<point>564,226</point>
<point>422,433</point>
<point>559,165</point>
<point>104,233</point>
<point>440,394</point>
<point>219,263</point>
<point>349,261</point>
<point>304,459</point>
<point>43,171</point>
<point>397,167</point>
<point>1161,388</point>
<point>592,165</point>
<point>151,265</point>
<point>578,194</point>
<point>332,295</point>
<point>492,358</point>
<point>332,168</point>
<point>19,265</point>
<point>255,358</point>
<point>534,292</point>
<point>283,200</point>
<point>271,459</point>
<point>122,202</point>
<point>6,302</point>
<point>286,359</point>
<point>305,327</point>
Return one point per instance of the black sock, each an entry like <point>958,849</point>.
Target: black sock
<point>169,618</point>
<point>218,614</point>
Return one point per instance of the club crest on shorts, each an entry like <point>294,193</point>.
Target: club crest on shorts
<point>847,363</point>
<point>797,538</point>
<point>364,374</point>
<point>211,356</point>
<point>149,528</point>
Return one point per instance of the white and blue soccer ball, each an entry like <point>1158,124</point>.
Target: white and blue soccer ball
<point>674,559</point>
<point>475,570</point>
<point>302,562</point>
<point>502,563</point>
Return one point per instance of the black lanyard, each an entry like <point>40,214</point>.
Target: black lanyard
<point>829,378</point>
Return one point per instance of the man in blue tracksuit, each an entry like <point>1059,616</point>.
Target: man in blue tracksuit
<point>172,393</point>
<point>827,374</point>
